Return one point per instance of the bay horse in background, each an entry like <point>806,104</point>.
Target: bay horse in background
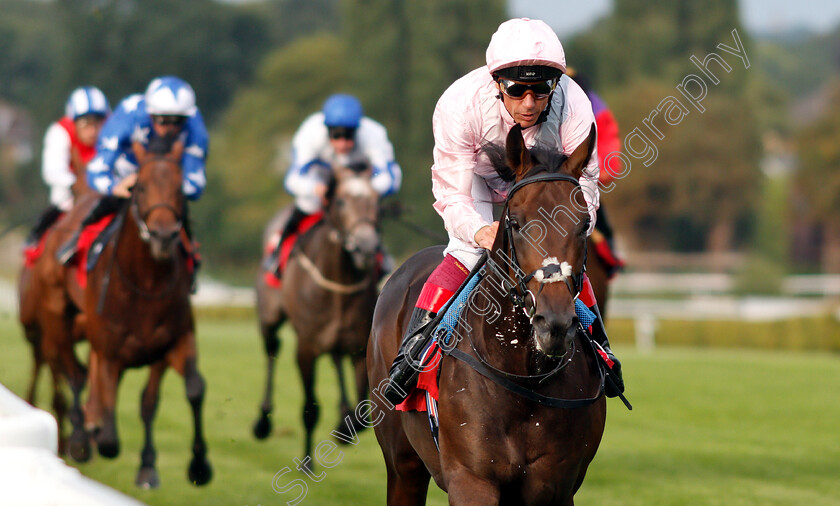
<point>34,278</point>
<point>521,406</point>
<point>135,311</point>
<point>328,293</point>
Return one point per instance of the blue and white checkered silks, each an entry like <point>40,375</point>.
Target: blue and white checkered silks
<point>584,314</point>
<point>447,325</point>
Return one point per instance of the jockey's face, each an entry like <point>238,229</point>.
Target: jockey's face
<point>88,127</point>
<point>342,139</point>
<point>526,109</point>
<point>168,125</point>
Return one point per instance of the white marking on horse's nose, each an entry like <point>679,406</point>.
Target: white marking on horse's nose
<point>556,276</point>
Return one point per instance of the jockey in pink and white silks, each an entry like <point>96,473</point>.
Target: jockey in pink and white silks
<point>523,82</point>
<point>339,134</point>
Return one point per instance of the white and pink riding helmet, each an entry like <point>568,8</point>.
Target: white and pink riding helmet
<point>525,49</point>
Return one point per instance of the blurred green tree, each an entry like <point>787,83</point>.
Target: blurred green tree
<point>250,148</point>
<point>702,188</point>
<point>819,176</point>
<point>397,57</point>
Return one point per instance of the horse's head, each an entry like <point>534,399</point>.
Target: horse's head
<point>542,237</point>
<point>354,212</point>
<point>157,202</point>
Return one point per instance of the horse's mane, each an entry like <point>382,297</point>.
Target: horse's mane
<point>546,160</point>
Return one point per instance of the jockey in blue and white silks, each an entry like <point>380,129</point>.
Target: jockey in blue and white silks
<point>339,134</point>
<point>164,115</point>
<point>167,101</point>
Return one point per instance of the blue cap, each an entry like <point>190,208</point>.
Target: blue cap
<point>342,111</point>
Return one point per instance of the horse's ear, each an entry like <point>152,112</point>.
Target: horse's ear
<point>139,152</point>
<point>517,155</point>
<point>177,151</point>
<point>579,158</point>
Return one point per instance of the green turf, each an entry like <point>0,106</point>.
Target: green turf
<point>712,427</point>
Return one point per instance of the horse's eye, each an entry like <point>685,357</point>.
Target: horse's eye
<point>340,203</point>
<point>514,224</point>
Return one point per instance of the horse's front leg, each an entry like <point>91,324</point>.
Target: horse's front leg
<point>93,406</point>
<point>183,359</point>
<point>61,357</point>
<point>147,476</point>
<point>466,489</point>
<point>343,403</point>
<point>306,364</point>
<point>271,342</point>
<point>107,378</point>
<point>360,371</point>
<point>37,362</point>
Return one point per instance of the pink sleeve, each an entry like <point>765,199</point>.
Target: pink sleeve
<point>452,172</point>
<point>577,122</point>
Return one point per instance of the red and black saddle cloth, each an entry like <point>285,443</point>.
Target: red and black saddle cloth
<point>271,247</point>
<point>605,251</point>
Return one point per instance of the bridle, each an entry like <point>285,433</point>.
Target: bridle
<point>145,236</point>
<point>344,234</point>
<point>518,292</point>
<point>140,219</point>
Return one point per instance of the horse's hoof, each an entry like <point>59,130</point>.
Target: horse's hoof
<point>79,447</point>
<point>306,466</point>
<point>359,426</point>
<point>200,472</point>
<point>147,478</point>
<point>109,450</point>
<point>263,427</point>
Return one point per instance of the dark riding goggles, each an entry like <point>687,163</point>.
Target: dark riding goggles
<point>541,89</point>
<point>169,119</point>
<point>342,133</point>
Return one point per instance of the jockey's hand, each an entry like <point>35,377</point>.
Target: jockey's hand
<point>321,191</point>
<point>486,235</point>
<point>123,188</point>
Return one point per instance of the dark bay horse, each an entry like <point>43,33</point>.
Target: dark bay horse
<point>497,446</point>
<point>328,292</point>
<point>135,311</point>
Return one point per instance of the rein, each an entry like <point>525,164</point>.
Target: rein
<point>145,236</point>
<point>328,284</point>
<point>518,294</point>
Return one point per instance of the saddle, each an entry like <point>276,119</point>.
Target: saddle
<point>273,248</point>
<point>91,244</point>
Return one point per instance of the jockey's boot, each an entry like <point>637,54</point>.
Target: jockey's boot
<point>272,263</point>
<point>406,366</point>
<point>107,205</point>
<point>45,221</point>
<point>599,335</point>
